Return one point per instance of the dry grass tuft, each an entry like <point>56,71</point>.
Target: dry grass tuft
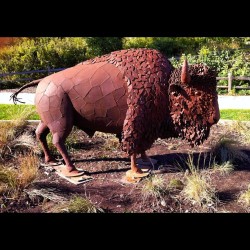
<point>225,168</point>
<point>8,180</point>
<point>28,170</point>
<point>198,188</point>
<point>227,150</point>
<point>13,181</point>
<point>12,129</point>
<point>6,136</point>
<point>26,141</point>
<point>77,204</point>
<point>111,143</point>
<point>153,186</point>
<point>241,130</point>
<point>82,205</point>
<point>244,198</point>
<point>176,184</point>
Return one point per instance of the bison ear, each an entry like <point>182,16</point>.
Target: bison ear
<point>185,76</point>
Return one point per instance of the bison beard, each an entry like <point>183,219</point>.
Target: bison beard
<point>190,103</point>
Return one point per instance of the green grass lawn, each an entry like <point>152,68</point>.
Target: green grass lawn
<point>9,111</point>
<point>235,114</point>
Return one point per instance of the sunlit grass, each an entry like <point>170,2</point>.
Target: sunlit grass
<point>198,188</point>
<point>235,114</point>
<point>241,130</point>
<point>153,186</point>
<point>10,111</point>
<point>14,180</point>
<point>224,168</point>
<point>175,184</point>
<point>76,204</point>
<point>244,198</point>
<point>12,129</point>
<point>28,170</point>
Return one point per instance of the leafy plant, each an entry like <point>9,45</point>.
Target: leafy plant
<point>98,46</point>
<point>41,53</point>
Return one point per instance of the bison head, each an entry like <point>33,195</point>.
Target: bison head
<point>193,101</point>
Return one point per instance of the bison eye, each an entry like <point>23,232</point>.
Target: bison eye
<point>197,93</point>
<point>175,88</point>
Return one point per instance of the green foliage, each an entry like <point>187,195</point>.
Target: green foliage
<point>175,46</point>
<point>138,42</point>
<point>168,45</point>
<point>98,46</point>
<point>226,54</point>
<point>42,53</point>
<point>224,61</point>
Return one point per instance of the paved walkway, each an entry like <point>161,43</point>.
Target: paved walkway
<point>225,102</point>
<point>234,102</point>
<point>28,98</point>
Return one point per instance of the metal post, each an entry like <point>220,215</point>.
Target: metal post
<point>230,81</point>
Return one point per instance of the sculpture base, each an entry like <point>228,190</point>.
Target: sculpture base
<point>133,177</point>
<point>79,179</point>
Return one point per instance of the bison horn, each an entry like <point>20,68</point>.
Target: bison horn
<point>185,76</point>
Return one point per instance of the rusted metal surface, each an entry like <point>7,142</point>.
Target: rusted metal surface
<point>136,94</point>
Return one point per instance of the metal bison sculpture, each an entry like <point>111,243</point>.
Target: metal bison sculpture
<point>136,94</point>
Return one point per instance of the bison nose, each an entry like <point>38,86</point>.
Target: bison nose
<point>216,120</point>
<point>215,117</point>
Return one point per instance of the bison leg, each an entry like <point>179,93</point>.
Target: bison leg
<point>59,138</point>
<point>134,167</point>
<point>144,156</point>
<point>41,133</point>
<point>60,125</point>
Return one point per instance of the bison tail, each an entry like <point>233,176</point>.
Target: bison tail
<point>30,84</point>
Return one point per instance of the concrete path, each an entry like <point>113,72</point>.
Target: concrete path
<point>28,98</point>
<point>225,102</point>
<point>234,102</point>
